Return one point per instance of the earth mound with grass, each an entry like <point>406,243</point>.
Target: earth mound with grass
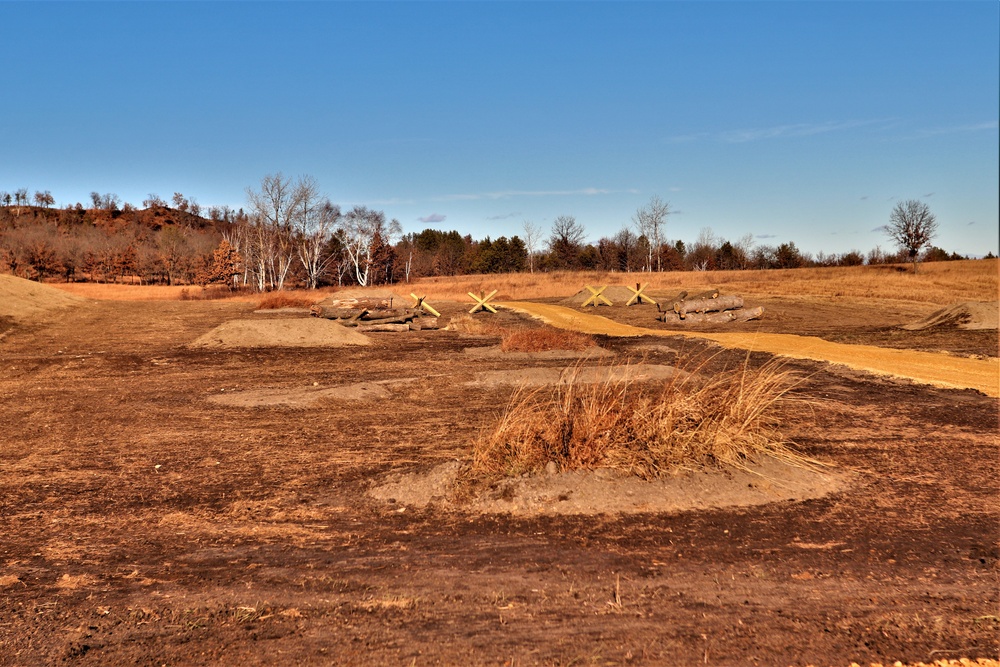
<point>607,491</point>
<point>296,332</point>
<point>969,315</point>
<point>22,299</point>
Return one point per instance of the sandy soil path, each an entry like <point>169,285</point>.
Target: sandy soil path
<point>941,370</point>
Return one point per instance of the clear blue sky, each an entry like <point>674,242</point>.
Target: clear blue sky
<point>790,121</point>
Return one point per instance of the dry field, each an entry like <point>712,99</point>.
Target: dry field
<point>166,503</point>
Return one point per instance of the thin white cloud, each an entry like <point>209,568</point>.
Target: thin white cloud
<point>505,216</point>
<point>433,217</point>
<point>507,194</point>
<point>766,236</point>
<point>958,129</point>
<point>792,130</point>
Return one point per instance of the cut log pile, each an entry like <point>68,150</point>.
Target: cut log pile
<point>706,308</point>
<point>374,315</point>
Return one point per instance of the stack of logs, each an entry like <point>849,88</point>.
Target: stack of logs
<point>374,315</point>
<point>706,308</point>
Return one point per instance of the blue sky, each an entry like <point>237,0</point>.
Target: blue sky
<point>790,121</point>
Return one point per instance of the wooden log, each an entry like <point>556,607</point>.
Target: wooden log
<point>336,313</point>
<point>364,302</point>
<point>683,308</point>
<point>710,294</point>
<point>424,324</point>
<point>393,328</point>
<point>719,317</point>
<point>387,313</point>
<point>402,319</point>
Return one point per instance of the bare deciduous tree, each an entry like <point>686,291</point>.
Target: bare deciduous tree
<point>272,210</point>
<point>651,221</point>
<point>315,220</point>
<point>566,241</point>
<point>532,235</point>
<point>44,198</point>
<point>911,226</point>
<point>362,230</point>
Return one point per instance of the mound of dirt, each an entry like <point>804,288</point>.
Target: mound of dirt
<point>612,492</point>
<point>971,315</point>
<point>536,377</point>
<point>22,299</point>
<point>298,332</point>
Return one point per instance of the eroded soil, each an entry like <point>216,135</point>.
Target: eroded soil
<point>145,524</point>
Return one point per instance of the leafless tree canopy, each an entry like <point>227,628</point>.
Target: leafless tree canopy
<point>651,221</point>
<point>912,226</point>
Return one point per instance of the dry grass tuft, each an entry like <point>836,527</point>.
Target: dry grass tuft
<point>545,338</point>
<point>524,339</point>
<point>645,431</point>
<point>276,300</point>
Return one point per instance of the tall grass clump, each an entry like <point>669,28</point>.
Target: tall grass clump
<point>728,418</point>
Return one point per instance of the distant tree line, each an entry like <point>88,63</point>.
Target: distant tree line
<point>291,234</point>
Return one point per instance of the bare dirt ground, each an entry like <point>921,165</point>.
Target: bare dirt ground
<point>146,520</point>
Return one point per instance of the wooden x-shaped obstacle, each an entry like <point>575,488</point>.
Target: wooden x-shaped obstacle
<point>420,303</point>
<point>595,296</point>
<point>638,296</point>
<point>481,302</point>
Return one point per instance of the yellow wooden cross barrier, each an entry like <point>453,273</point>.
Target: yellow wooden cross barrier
<point>595,294</point>
<point>420,303</point>
<point>481,302</point>
<point>638,296</point>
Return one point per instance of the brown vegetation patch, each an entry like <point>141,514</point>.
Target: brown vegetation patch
<point>276,300</point>
<point>299,332</point>
<point>546,338</point>
<point>644,430</point>
<point>520,338</point>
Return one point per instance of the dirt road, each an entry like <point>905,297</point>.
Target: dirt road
<point>937,369</point>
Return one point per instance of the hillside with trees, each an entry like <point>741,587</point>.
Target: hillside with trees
<point>292,235</point>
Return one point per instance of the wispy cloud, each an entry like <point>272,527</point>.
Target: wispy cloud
<point>929,194</point>
<point>793,131</point>
<point>433,217</point>
<point>959,129</point>
<point>972,222</point>
<point>789,131</point>
<point>508,194</point>
<point>880,229</point>
<point>505,216</point>
<point>766,236</point>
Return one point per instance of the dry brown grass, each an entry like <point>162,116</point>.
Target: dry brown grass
<point>935,282</point>
<point>524,339</point>
<point>543,339</point>
<point>276,300</point>
<point>646,431</point>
